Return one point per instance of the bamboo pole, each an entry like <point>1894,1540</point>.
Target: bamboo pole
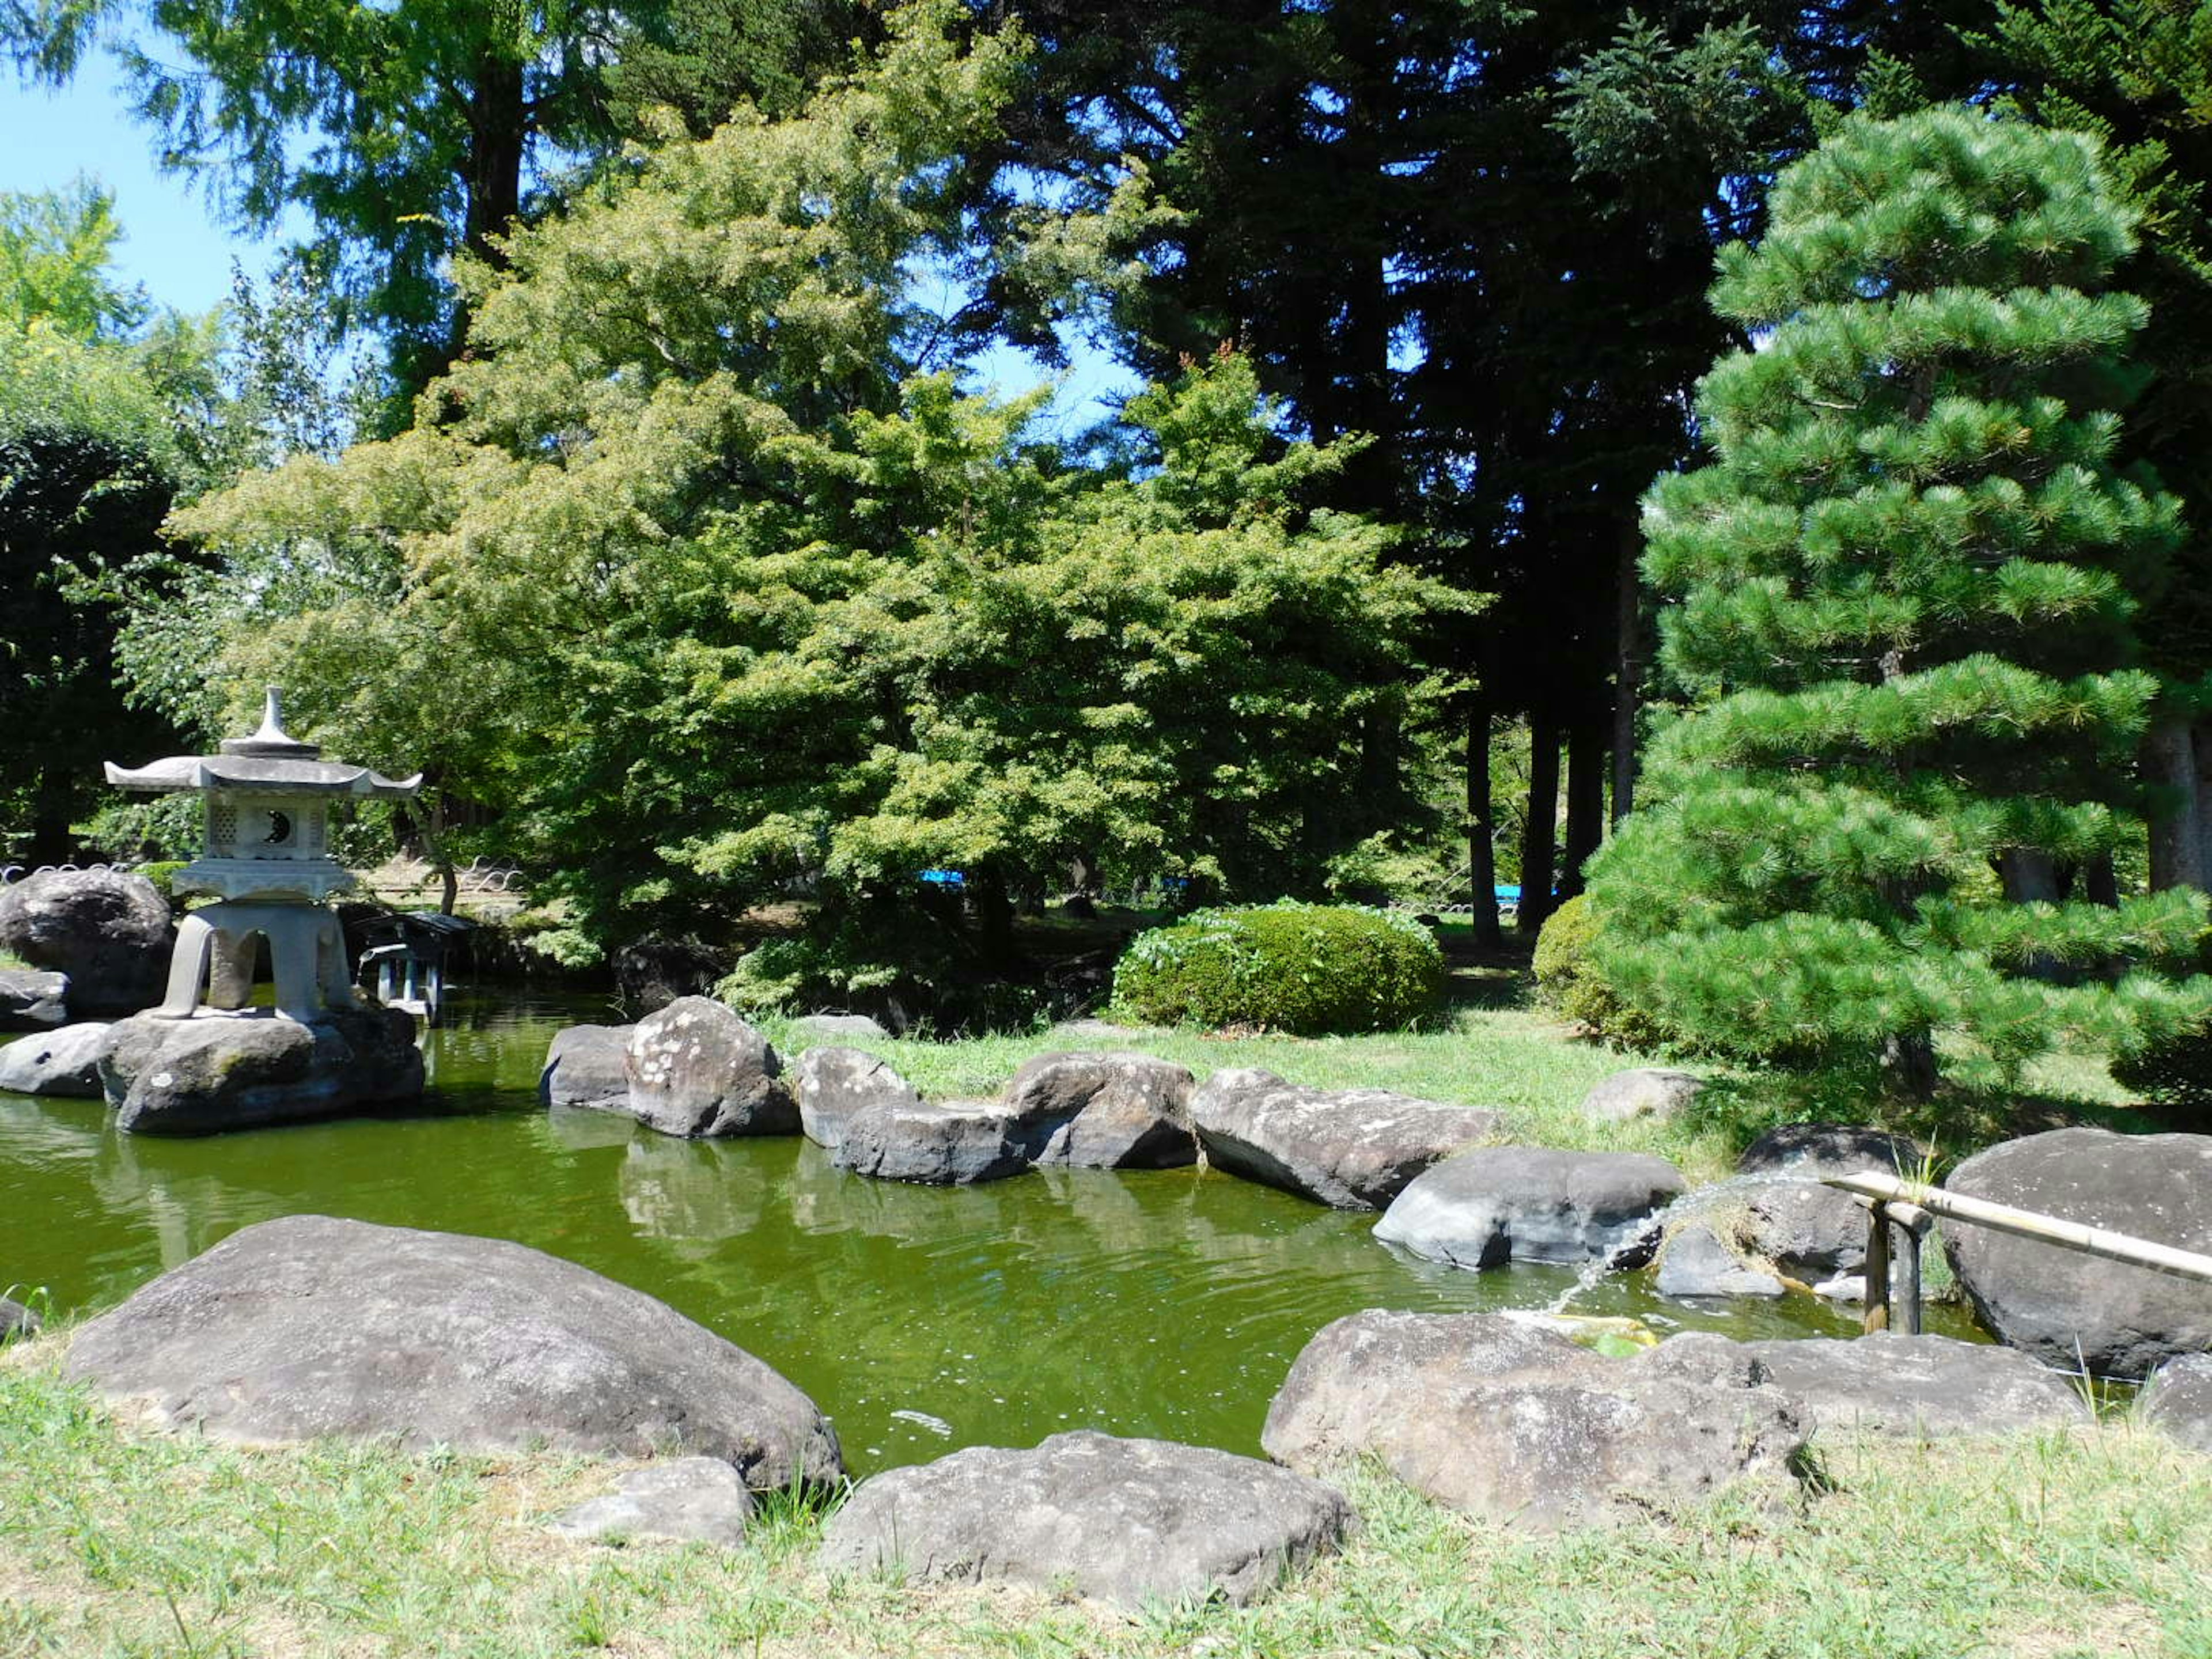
<point>1885,1189</point>
<point>1877,1269</point>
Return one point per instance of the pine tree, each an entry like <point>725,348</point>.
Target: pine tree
<point>1900,600</point>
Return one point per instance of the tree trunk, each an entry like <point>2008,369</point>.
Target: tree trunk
<point>1909,1062</point>
<point>1481,827</point>
<point>1539,836</point>
<point>1585,800</point>
<point>2100,883</point>
<point>2200,744</point>
<point>1628,672</point>
<point>52,841</point>
<point>2177,818</point>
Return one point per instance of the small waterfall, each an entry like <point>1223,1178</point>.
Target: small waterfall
<point>1698,1201</point>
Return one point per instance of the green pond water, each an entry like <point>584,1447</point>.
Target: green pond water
<point>1167,1303</point>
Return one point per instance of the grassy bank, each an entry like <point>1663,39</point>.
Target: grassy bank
<point>1536,1071</point>
<point>2095,1543</point>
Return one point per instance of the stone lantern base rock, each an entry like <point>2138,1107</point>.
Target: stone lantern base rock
<point>219,1071</point>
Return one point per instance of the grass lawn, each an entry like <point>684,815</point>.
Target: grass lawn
<point>2095,1542</point>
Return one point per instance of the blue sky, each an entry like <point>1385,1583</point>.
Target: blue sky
<point>174,245</point>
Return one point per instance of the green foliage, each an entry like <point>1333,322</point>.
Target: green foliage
<point>2175,1070</point>
<point>694,579</point>
<point>1306,968</point>
<point>162,873</point>
<point>1905,594</point>
<point>1570,982</point>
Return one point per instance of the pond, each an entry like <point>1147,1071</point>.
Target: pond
<point>1167,1303</point>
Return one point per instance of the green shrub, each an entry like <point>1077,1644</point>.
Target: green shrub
<point>2174,1070</point>
<point>1569,983</point>
<point>163,875</point>
<point>1308,969</point>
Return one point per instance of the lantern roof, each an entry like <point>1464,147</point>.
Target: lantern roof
<point>268,761</point>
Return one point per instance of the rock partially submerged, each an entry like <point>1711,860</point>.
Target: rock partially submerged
<point>220,1071</point>
<point>1811,1231</point>
<point>1891,1383</point>
<point>696,1069</point>
<point>1126,1522</point>
<point>16,1320</point>
<point>587,1065</point>
<point>1106,1111</point>
<point>937,1143</point>
<point>1354,1149</point>
<point>1696,1263</point>
<point>1500,1204</point>
<point>1500,1418</point>
<point>836,1085</point>
<point>310,1326</point>
<point>64,1062</point>
<point>692,1500</point>
<point>2070,1309</point>
<point>109,933</point>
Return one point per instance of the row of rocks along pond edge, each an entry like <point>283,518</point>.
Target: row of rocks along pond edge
<point>1487,1413</point>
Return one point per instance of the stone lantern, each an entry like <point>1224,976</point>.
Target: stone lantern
<point>268,835</point>
<point>204,1060</point>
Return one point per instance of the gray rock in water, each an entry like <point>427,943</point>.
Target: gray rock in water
<point>241,1070</point>
<point>587,1065</point>
<point>1499,1204</point>
<point>1354,1149</point>
<point>2178,1401</point>
<point>1891,1383</point>
<point>309,1326</point>
<point>109,933</point>
<point>700,1500</point>
<point>2070,1309</point>
<point>1106,1111</point>
<point>1811,1231</point>
<point>836,1085</point>
<point>952,1143</point>
<point>63,1061</point>
<point>1126,1522</point>
<point>834,1028</point>
<point>32,999</point>
<point>1694,1262</point>
<point>1501,1419</point>
<point>696,1069</point>
<point>16,1320</point>
<point>1642,1091</point>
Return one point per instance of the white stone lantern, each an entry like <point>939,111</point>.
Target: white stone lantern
<point>267,860</point>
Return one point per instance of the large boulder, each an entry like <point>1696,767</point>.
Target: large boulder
<point>1810,1232</point>
<point>1106,1111</point>
<point>691,1500</point>
<point>33,999</point>
<point>1500,1204</point>
<point>2070,1309</point>
<point>2178,1401</point>
<point>836,1085</point>
<point>63,1061</point>
<point>954,1142</point>
<point>220,1071</point>
<point>1354,1149</point>
<point>696,1069</point>
<point>835,1028</point>
<point>1892,1383</point>
<point>1126,1521</point>
<point>110,934</point>
<point>587,1065</point>
<point>1501,1418</point>
<point>310,1326</point>
<point>1649,1091</point>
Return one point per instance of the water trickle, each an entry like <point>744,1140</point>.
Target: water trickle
<point>1699,1202</point>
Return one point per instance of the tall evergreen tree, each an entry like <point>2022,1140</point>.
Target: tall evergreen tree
<point>1902,600</point>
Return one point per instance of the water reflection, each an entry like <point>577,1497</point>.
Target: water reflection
<point>1166,1302</point>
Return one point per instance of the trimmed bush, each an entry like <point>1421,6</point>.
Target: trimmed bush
<point>163,875</point>
<point>1309,968</point>
<point>2175,1072</point>
<point>1568,984</point>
